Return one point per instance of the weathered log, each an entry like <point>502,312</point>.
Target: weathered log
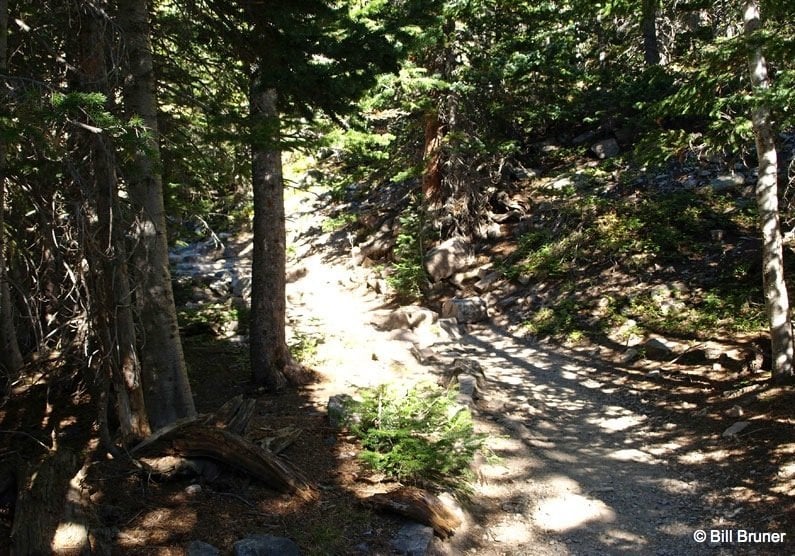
<point>419,505</point>
<point>196,439</point>
<point>234,415</point>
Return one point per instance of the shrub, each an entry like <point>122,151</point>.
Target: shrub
<point>422,436</point>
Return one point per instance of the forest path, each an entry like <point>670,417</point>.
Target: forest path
<point>585,465</point>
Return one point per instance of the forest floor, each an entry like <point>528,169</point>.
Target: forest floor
<point>592,456</point>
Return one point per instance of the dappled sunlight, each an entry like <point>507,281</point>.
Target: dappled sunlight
<point>158,526</point>
<point>632,454</point>
<point>620,539</point>
<point>616,424</point>
<point>569,511</point>
<point>69,536</point>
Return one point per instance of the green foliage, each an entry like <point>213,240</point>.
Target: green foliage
<point>219,319</point>
<point>303,347</point>
<point>420,436</point>
<point>339,222</point>
<point>407,275</point>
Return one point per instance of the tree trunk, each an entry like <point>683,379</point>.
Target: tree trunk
<point>44,496</point>
<point>10,356</point>
<point>648,24</point>
<point>268,344</point>
<point>165,376</point>
<point>107,255</point>
<point>776,300</point>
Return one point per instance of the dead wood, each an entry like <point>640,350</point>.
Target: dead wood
<point>419,505</point>
<point>234,415</point>
<point>197,439</point>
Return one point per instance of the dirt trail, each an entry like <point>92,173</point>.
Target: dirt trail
<point>585,465</point>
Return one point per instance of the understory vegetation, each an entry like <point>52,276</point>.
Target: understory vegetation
<point>418,436</point>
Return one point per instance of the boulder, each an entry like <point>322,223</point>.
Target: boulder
<point>607,148</point>
<point>405,318</point>
<point>265,545</point>
<point>447,258</point>
<point>413,539</point>
<point>465,310</point>
<point>656,349</point>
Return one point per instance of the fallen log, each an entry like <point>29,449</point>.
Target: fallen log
<point>419,505</point>
<point>197,439</point>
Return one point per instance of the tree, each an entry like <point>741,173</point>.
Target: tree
<point>651,49</point>
<point>270,356</point>
<point>299,57</point>
<point>10,356</point>
<point>775,289</point>
<point>165,376</point>
<point>106,247</point>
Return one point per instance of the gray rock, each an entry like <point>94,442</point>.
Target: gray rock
<point>336,408</point>
<point>199,548</point>
<point>630,355</point>
<point>488,282</point>
<point>465,310</point>
<point>450,327</point>
<point>607,148</point>
<point>735,429</point>
<point>656,349</point>
<point>405,318</point>
<point>727,182</point>
<point>413,539</point>
<point>448,258</point>
<point>265,545</point>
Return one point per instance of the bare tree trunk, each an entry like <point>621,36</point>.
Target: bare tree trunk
<point>108,257</point>
<point>268,344</point>
<point>776,299</point>
<point>10,356</point>
<point>165,376</point>
<point>648,24</point>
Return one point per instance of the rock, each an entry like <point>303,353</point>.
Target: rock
<point>630,355</point>
<point>412,539</point>
<point>727,182</point>
<point>423,355</point>
<point>736,428</point>
<point>336,409</point>
<point>450,327</point>
<point>487,282</point>
<point>407,317</point>
<point>193,489</point>
<point>199,548</point>
<point>448,258</point>
<point>656,349</point>
<point>466,310</point>
<point>583,137</point>
<point>735,411</point>
<point>607,148</point>
<point>562,183</point>
<point>265,545</point>
<point>467,389</point>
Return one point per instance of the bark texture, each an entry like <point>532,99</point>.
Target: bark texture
<point>10,356</point>
<point>106,249</point>
<point>648,24</point>
<point>268,344</point>
<point>166,387</point>
<point>45,494</point>
<point>775,290</point>
<point>418,505</point>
